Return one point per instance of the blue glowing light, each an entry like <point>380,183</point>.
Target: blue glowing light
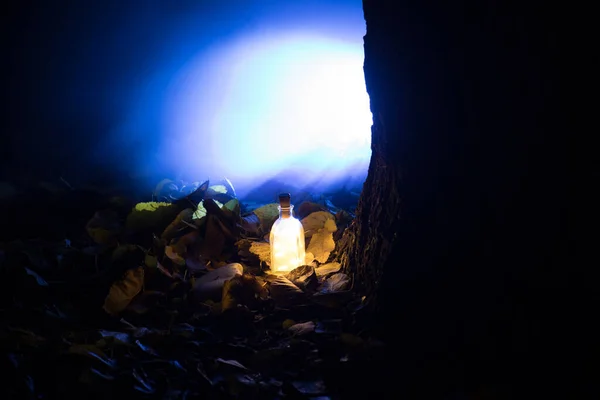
<point>259,105</point>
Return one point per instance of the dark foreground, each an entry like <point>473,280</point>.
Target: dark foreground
<point>101,298</point>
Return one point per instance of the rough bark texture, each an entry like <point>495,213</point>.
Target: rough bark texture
<point>457,236</point>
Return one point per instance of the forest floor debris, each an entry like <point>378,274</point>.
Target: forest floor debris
<point>174,299</point>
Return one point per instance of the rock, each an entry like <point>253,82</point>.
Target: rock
<point>307,208</point>
<point>284,292</point>
<point>324,270</point>
<point>335,283</point>
<point>321,245</point>
<point>317,221</point>
<point>304,277</point>
<point>210,285</point>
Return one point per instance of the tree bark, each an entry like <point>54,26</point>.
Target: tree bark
<point>457,233</point>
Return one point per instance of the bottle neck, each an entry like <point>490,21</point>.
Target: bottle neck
<point>285,212</point>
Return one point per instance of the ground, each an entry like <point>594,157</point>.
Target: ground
<point>105,295</point>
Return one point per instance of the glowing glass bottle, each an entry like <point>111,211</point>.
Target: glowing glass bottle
<point>287,239</point>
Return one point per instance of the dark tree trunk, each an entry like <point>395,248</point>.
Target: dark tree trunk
<point>456,239</point>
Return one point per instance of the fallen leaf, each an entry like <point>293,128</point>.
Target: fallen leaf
<point>324,270</point>
<point>302,328</point>
<point>40,281</point>
<point>172,254</point>
<point>304,277</point>
<point>214,239</point>
<point>332,326</point>
<point>104,227</point>
<point>251,224</point>
<point>123,291</point>
<point>284,292</point>
<point>152,216</point>
<point>267,215</point>
<point>321,245</point>
<point>91,351</point>
<point>310,387</point>
<point>119,336</point>
<point>335,283</point>
<point>287,323</point>
<point>180,223</point>
<point>316,221</point>
<point>210,285</point>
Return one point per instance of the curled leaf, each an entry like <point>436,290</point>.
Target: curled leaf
<point>123,291</point>
<point>335,283</point>
<point>284,292</point>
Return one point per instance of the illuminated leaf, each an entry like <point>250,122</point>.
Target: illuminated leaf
<point>321,245</point>
<point>325,270</point>
<point>317,221</point>
<point>267,215</point>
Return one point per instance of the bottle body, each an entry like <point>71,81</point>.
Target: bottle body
<point>287,242</point>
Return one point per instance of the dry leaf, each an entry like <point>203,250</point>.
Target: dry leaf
<point>210,285</point>
<point>321,245</point>
<point>324,270</point>
<point>172,254</point>
<point>335,283</point>
<point>123,291</point>
<point>303,328</point>
<point>267,214</point>
<point>284,292</point>
<point>317,221</point>
<point>104,227</point>
<point>304,277</point>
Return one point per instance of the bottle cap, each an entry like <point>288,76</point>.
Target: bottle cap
<point>284,200</point>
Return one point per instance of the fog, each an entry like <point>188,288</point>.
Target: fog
<point>248,90</point>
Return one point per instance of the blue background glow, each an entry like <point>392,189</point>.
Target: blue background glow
<point>242,89</point>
